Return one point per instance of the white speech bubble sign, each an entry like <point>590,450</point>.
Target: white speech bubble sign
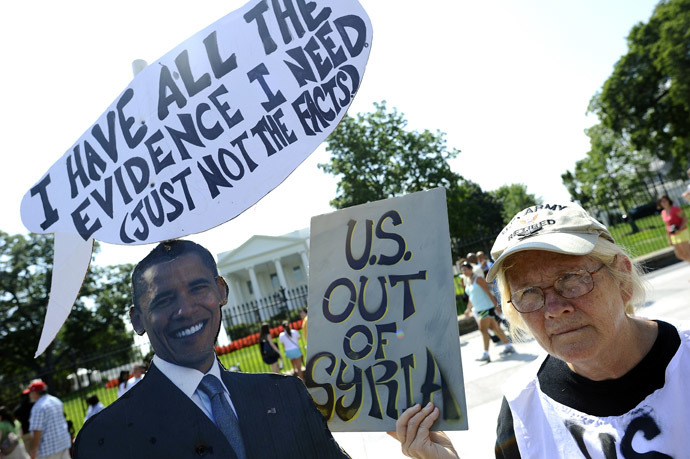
<point>207,130</point>
<point>72,257</point>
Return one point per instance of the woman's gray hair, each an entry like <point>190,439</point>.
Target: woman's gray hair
<point>604,251</point>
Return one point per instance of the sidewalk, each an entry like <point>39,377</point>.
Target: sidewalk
<point>668,298</point>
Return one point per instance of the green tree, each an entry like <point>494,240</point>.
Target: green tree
<point>611,174</point>
<point>95,325</point>
<point>513,199</point>
<point>646,99</point>
<point>376,157</point>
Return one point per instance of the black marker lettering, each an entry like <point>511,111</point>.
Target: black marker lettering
<point>126,122</point>
<point>50,213</point>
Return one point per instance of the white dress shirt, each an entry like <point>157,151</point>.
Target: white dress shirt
<point>188,379</point>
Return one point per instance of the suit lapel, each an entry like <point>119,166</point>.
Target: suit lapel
<point>178,406</point>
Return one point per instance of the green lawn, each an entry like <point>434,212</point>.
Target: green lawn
<point>248,358</point>
<point>650,237</point>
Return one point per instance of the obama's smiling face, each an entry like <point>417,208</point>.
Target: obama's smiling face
<point>179,308</point>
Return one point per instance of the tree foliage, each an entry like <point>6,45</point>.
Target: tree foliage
<point>95,325</point>
<point>646,100</point>
<point>376,157</point>
<point>611,171</point>
<point>513,199</point>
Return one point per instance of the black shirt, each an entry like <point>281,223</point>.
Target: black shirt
<point>611,397</point>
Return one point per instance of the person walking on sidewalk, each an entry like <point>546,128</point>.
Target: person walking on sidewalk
<point>48,424</point>
<point>484,305</point>
<point>677,231</point>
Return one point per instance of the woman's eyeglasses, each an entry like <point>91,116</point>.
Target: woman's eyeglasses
<point>571,285</point>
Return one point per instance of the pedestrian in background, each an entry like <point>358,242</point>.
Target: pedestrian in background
<point>122,383</point>
<point>22,413</point>
<point>474,261</point>
<point>303,315</point>
<point>484,305</point>
<point>484,262</point>
<point>269,351</point>
<point>138,373</point>
<point>48,424</point>
<point>11,444</point>
<point>290,340</point>
<point>94,406</point>
<point>677,232</point>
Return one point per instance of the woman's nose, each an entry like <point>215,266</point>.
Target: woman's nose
<point>555,304</point>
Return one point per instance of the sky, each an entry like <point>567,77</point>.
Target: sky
<point>508,81</point>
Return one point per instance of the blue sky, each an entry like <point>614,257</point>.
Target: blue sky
<point>508,81</point>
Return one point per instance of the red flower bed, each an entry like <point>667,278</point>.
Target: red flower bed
<point>253,339</point>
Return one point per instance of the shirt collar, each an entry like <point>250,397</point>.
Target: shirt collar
<point>186,379</point>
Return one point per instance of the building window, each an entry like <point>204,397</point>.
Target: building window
<point>249,287</point>
<point>297,272</point>
<point>275,282</point>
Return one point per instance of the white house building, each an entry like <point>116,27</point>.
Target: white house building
<point>259,269</point>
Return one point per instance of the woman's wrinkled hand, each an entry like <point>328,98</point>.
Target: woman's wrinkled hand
<point>413,431</point>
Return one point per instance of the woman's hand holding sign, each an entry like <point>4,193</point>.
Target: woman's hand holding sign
<point>413,431</point>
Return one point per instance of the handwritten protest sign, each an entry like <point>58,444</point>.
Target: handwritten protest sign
<point>208,129</point>
<point>383,331</point>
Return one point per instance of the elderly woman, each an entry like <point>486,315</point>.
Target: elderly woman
<point>612,384</point>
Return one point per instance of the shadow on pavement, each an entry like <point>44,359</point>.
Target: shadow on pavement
<point>520,357</point>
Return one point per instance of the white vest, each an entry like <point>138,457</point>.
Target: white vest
<point>547,429</point>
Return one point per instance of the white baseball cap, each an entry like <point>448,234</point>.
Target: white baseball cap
<point>561,227</point>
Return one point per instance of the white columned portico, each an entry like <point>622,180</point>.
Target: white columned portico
<point>235,293</point>
<point>255,284</point>
<point>305,262</point>
<point>257,292</point>
<point>233,300</point>
<point>281,274</point>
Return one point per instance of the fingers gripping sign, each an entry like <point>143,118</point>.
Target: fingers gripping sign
<point>413,431</point>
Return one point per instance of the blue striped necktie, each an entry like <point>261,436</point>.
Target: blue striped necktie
<point>223,414</point>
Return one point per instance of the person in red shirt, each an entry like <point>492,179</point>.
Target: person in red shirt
<point>677,231</point>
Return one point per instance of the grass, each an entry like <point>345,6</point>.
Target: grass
<point>75,403</point>
<point>650,237</point>
<point>248,359</point>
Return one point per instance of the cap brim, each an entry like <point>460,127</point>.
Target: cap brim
<point>566,243</point>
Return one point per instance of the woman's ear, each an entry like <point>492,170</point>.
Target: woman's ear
<point>624,265</point>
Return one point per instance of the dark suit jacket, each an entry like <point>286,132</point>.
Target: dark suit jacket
<point>155,419</point>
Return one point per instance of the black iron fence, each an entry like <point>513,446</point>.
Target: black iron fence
<point>243,319</point>
<point>631,216</point>
<point>84,375</point>
<point>75,380</point>
<point>79,379</point>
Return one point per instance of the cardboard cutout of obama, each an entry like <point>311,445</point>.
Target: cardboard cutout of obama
<point>178,295</point>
